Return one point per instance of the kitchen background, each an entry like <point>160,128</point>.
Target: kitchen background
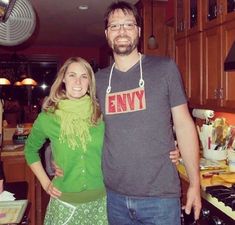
<point>197,37</point>
<point>198,34</point>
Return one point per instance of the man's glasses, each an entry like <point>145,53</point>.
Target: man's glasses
<point>126,26</point>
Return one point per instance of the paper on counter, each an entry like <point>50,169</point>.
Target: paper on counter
<point>7,196</point>
<point>11,212</point>
<point>207,164</point>
<point>12,147</point>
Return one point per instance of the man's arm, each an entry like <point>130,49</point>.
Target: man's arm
<point>187,140</point>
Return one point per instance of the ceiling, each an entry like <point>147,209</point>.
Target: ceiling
<point>61,23</point>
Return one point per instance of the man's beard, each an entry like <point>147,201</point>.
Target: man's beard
<point>124,49</point>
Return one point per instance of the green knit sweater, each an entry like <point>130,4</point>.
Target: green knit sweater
<point>82,169</point>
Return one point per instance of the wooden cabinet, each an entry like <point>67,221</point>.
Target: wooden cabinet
<point>211,13</point>
<point>194,19</point>
<point>187,17</point>
<point>228,81</point>
<point>212,68</point>
<point>216,12</point>
<point>188,57</point>
<point>180,18</point>
<point>16,169</point>
<point>228,10</point>
<point>201,50</point>
<point>181,56</point>
<point>195,69</point>
<point>219,92</point>
<point>188,46</point>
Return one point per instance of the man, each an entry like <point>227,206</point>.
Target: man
<point>139,95</point>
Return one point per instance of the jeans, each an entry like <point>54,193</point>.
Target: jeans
<point>126,210</point>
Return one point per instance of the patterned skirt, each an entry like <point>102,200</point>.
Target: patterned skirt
<point>89,213</point>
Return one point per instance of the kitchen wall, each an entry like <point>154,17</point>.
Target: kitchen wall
<point>169,10</point>
<point>62,53</point>
<point>230,117</point>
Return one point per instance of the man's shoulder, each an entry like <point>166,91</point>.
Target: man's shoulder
<point>101,77</point>
<point>163,62</point>
<point>161,59</point>
<point>102,72</point>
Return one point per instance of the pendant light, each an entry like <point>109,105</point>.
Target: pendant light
<point>29,81</point>
<point>152,41</point>
<point>4,81</point>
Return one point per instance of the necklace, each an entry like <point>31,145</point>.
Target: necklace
<point>141,81</point>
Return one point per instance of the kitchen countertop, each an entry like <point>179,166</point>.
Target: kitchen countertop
<point>209,181</point>
<point>10,149</point>
<point>17,150</point>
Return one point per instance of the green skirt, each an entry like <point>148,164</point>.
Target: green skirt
<point>88,213</point>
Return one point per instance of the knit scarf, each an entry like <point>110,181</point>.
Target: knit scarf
<point>74,117</point>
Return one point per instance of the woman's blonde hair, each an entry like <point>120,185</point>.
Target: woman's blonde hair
<point>58,91</point>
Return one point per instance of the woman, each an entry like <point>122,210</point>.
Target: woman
<point>71,121</point>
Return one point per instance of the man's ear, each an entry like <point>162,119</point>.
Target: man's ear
<point>106,33</point>
<point>139,31</point>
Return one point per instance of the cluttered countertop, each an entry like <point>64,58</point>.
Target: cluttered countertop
<point>11,149</point>
<point>213,173</point>
<point>14,138</point>
<point>217,162</point>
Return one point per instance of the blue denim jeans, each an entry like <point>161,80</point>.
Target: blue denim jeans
<point>125,210</point>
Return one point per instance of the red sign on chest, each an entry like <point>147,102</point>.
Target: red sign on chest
<point>125,101</point>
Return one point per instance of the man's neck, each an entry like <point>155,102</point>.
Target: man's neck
<point>124,63</point>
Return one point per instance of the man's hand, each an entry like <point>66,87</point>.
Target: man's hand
<point>175,156</point>
<point>193,201</point>
<point>58,171</point>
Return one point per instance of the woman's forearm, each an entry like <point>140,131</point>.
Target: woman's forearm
<point>40,173</point>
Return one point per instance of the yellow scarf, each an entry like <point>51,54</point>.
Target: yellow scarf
<point>75,119</point>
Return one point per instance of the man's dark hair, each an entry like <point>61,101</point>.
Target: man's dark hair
<point>125,7</point>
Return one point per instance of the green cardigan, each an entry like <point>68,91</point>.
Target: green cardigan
<point>82,170</point>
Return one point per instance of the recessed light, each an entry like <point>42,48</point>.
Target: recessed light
<point>83,7</point>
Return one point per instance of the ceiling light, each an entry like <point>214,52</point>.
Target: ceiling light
<point>4,81</point>
<point>29,81</point>
<point>152,41</point>
<point>17,83</point>
<point>83,7</point>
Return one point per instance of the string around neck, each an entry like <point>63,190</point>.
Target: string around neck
<point>141,81</point>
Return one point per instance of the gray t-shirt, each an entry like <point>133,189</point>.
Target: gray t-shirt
<point>138,128</point>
